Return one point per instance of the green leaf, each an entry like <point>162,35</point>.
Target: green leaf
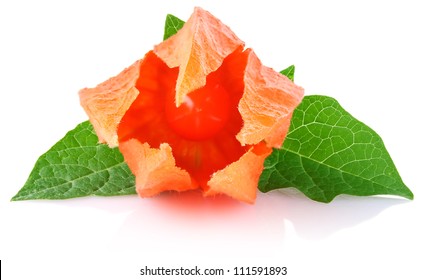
<point>289,72</point>
<point>328,152</point>
<point>172,25</point>
<point>78,166</point>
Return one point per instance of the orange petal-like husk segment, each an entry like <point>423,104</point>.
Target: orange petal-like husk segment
<point>198,49</point>
<point>267,104</point>
<point>107,103</point>
<point>239,180</point>
<point>155,169</point>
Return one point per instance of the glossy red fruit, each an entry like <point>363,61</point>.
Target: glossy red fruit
<point>203,113</point>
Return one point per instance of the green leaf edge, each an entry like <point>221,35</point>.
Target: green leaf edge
<point>289,72</point>
<point>30,192</point>
<point>404,190</point>
<point>172,25</point>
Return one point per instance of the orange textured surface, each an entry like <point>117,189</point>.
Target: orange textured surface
<point>107,103</point>
<point>198,49</point>
<point>155,169</point>
<point>267,104</point>
<point>240,179</point>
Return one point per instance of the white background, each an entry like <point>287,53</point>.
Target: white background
<point>369,55</point>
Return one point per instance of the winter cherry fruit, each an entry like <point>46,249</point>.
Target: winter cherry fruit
<point>203,113</point>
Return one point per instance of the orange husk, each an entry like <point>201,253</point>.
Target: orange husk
<point>239,180</point>
<point>267,104</point>
<point>204,49</point>
<point>107,103</point>
<point>198,49</point>
<point>155,169</point>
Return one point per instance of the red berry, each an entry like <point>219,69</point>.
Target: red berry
<point>203,113</point>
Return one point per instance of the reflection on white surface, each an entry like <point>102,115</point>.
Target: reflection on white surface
<point>219,221</point>
<point>186,229</point>
<point>189,223</point>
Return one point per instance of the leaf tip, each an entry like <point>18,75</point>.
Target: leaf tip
<point>17,197</point>
<point>289,72</point>
<point>172,25</point>
<point>409,194</point>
